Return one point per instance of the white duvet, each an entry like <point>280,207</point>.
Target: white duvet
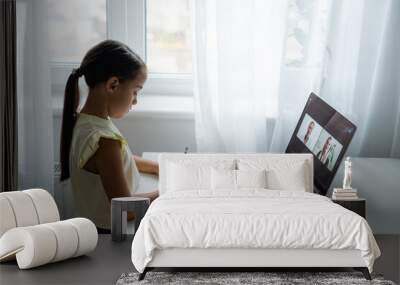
<point>250,219</point>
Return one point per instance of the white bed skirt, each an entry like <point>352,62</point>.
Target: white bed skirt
<point>193,257</point>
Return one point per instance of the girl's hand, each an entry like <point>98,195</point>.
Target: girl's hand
<point>146,166</point>
<point>156,168</point>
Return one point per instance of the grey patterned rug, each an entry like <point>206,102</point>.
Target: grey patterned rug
<point>229,278</point>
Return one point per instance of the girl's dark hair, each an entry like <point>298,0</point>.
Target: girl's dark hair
<point>106,59</point>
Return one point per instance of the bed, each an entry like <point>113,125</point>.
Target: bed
<point>247,210</point>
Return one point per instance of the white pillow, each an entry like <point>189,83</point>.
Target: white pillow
<point>223,179</point>
<point>282,173</point>
<point>188,177</point>
<point>291,178</point>
<point>251,178</point>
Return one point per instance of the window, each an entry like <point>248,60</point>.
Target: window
<point>74,27</point>
<point>158,30</point>
<point>168,36</point>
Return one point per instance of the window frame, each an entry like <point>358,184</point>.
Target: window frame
<point>132,31</point>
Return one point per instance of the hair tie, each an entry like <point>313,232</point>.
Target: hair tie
<point>77,72</point>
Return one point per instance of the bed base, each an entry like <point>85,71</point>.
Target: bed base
<point>250,259</point>
<point>364,270</point>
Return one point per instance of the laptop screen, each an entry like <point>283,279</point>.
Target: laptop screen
<point>326,134</point>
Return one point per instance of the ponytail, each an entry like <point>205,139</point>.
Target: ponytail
<point>71,102</point>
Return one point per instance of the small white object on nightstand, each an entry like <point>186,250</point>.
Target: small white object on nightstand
<point>347,174</point>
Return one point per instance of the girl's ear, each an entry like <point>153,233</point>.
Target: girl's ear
<point>112,83</point>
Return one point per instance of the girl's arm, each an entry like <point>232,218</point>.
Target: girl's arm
<point>108,164</point>
<point>145,165</point>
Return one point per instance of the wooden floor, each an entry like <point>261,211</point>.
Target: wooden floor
<point>110,260</point>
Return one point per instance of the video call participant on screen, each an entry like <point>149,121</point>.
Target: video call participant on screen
<point>329,157</point>
<point>309,131</point>
<point>323,153</point>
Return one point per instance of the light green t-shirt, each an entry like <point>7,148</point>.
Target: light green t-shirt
<point>91,200</point>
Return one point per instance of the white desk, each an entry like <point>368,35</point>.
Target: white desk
<point>148,182</point>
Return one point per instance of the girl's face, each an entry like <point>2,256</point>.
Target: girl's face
<point>124,95</point>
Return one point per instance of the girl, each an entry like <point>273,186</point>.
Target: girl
<point>93,151</point>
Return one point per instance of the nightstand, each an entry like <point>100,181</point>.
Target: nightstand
<point>358,206</point>
<point>119,208</point>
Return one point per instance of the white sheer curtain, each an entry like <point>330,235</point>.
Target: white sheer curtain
<point>238,51</point>
<point>248,97</point>
<point>363,73</point>
<point>35,120</point>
